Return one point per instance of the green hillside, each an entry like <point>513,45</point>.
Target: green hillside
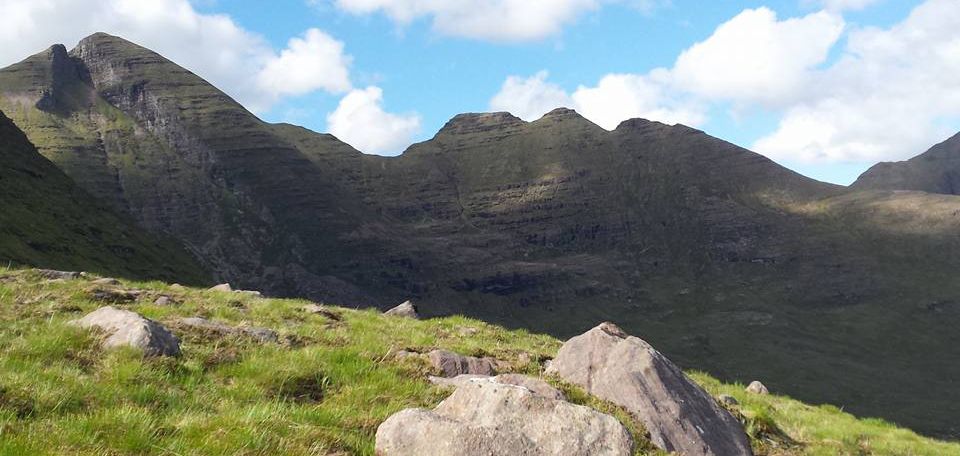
<point>47,221</point>
<point>323,389</point>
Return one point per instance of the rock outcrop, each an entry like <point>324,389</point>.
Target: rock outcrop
<point>680,416</point>
<point>261,335</point>
<point>126,328</point>
<point>483,418</point>
<point>407,310</point>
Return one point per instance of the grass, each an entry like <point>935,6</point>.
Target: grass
<point>323,390</point>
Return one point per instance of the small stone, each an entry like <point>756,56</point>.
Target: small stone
<point>756,387</point>
<point>406,310</point>
<point>728,400</point>
<point>163,301</point>
<point>325,311</point>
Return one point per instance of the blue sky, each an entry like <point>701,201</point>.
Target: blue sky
<point>840,85</point>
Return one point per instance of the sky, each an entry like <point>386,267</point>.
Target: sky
<point>824,87</point>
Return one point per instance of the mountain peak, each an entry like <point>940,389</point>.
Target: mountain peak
<point>480,122</point>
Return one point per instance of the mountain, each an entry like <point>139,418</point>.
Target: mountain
<point>48,221</point>
<point>725,260</point>
<point>936,171</point>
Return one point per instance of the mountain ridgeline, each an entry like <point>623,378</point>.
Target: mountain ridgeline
<point>725,260</point>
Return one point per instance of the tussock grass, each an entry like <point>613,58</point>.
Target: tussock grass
<point>323,390</point>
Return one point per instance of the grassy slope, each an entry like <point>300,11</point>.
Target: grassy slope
<point>325,391</point>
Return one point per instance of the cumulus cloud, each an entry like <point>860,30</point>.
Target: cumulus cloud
<point>211,45</point>
<point>314,62</point>
<point>755,57</point>
<point>493,20</point>
<point>891,95</point>
<point>361,121</point>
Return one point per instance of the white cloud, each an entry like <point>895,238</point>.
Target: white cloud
<point>361,121</point>
<point>213,46</point>
<point>887,97</point>
<point>494,20</point>
<point>530,98</point>
<point>314,62</point>
<point>756,58</point>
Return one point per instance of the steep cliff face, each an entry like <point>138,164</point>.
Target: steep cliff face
<point>936,171</point>
<point>729,262</point>
<point>48,221</point>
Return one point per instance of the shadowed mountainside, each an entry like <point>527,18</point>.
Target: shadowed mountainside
<point>936,171</point>
<point>727,261</point>
<point>47,221</point>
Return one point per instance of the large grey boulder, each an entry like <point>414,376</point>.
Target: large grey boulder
<point>535,385</point>
<point>484,417</point>
<point>126,328</point>
<point>680,416</point>
<point>452,364</point>
<point>407,310</point>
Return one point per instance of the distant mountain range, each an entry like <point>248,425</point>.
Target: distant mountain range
<point>725,260</point>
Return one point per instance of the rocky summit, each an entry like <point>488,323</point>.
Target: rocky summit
<point>725,260</point>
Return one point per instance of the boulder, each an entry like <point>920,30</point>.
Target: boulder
<point>756,387</point>
<point>452,364</point>
<point>262,335</point>
<point>679,415</point>
<point>407,310</point>
<point>222,287</point>
<point>535,385</point>
<point>51,274</point>
<point>105,281</point>
<point>484,417</point>
<point>125,328</point>
<point>163,301</point>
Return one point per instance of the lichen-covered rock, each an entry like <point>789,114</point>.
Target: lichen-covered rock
<point>452,364</point>
<point>484,417</point>
<point>126,328</point>
<point>756,387</point>
<point>224,287</point>
<point>408,310</point>
<point>680,416</point>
